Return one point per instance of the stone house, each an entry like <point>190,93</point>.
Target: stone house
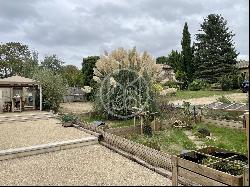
<point>243,67</point>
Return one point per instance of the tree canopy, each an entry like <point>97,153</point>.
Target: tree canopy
<point>88,66</point>
<point>215,54</point>
<point>16,58</point>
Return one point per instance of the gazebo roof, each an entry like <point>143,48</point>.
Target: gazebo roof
<point>17,80</point>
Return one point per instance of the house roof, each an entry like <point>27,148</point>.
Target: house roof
<point>17,80</point>
<point>242,64</point>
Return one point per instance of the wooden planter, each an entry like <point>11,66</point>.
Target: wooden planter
<point>205,174</point>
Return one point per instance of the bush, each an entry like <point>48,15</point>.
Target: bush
<point>53,88</point>
<point>157,87</point>
<point>203,131</point>
<point>224,99</point>
<point>226,83</point>
<point>197,85</point>
<point>125,81</point>
<point>68,118</point>
<point>172,84</point>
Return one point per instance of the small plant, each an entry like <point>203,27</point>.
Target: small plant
<point>203,132</point>
<point>229,167</point>
<point>197,85</point>
<point>224,99</point>
<point>68,119</point>
<point>226,83</point>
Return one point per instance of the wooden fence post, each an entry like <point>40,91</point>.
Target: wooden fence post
<point>174,160</point>
<point>247,132</point>
<point>246,176</point>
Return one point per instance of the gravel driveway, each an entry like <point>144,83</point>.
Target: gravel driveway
<point>235,97</point>
<point>90,165</point>
<point>21,134</point>
<point>77,107</point>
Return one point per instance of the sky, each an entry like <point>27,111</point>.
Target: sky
<point>73,29</point>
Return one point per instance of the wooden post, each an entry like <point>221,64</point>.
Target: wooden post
<point>246,176</point>
<point>141,117</point>
<point>247,132</point>
<point>34,98</point>
<point>154,123</point>
<point>41,98</point>
<point>134,120</point>
<point>12,101</point>
<point>174,160</point>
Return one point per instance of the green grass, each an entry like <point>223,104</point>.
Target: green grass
<point>226,138</point>
<point>174,140</point>
<point>170,141</point>
<point>111,123</point>
<point>202,93</point>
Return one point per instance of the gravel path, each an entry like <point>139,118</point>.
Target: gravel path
<point>236,97</point>
<point>77,107</point>
<point>90,165</point>
<point>21,134</point>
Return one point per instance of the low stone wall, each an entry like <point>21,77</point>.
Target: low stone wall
<point>224,123</point>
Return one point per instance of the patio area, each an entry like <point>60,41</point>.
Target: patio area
<point>14,134</point>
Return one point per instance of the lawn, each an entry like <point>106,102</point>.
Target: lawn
<point>170,141</point>
<point>111,123</point>
<point>201,93</point>
<point>231,139</point>
<point>174,140</point>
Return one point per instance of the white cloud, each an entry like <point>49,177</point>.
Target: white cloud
<point>74,29</point>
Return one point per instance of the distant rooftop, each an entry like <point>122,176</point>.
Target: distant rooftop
<point>242,64</point>
<point>17,80</point>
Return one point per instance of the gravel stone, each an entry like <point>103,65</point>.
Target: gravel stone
<point>89,165</point>
<point>21,134</point>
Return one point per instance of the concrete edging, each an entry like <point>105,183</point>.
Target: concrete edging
<point>45,148</point>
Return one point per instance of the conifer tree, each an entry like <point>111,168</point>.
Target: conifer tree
<point>215,54</point>
<point>187,60</point>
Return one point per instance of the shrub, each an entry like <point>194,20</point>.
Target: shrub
<point>125,69</point>
<point>226,83</point>
<point>172,84</point>
<point>68,118</point>
<point>53,88</point>
<point>224,99</point>
<point>157,87</point>
<point>197,85</point>
<point>203,132</point>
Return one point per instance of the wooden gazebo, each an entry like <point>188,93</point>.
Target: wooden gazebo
<point>16,86</point>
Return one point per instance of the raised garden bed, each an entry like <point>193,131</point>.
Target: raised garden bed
<point>210,166</point>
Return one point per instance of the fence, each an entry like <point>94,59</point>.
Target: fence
<point>149,155</point>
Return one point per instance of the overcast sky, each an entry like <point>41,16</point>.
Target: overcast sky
<point>73,29</point>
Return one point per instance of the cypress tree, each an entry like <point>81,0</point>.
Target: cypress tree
<point>215,54</point>
<point>187,53</point>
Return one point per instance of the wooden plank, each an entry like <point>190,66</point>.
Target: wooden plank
<point>194,177</point>
<point>210,172</point>
<point>246,176</point>
<point>247,131</point>
<point>174,160</point>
